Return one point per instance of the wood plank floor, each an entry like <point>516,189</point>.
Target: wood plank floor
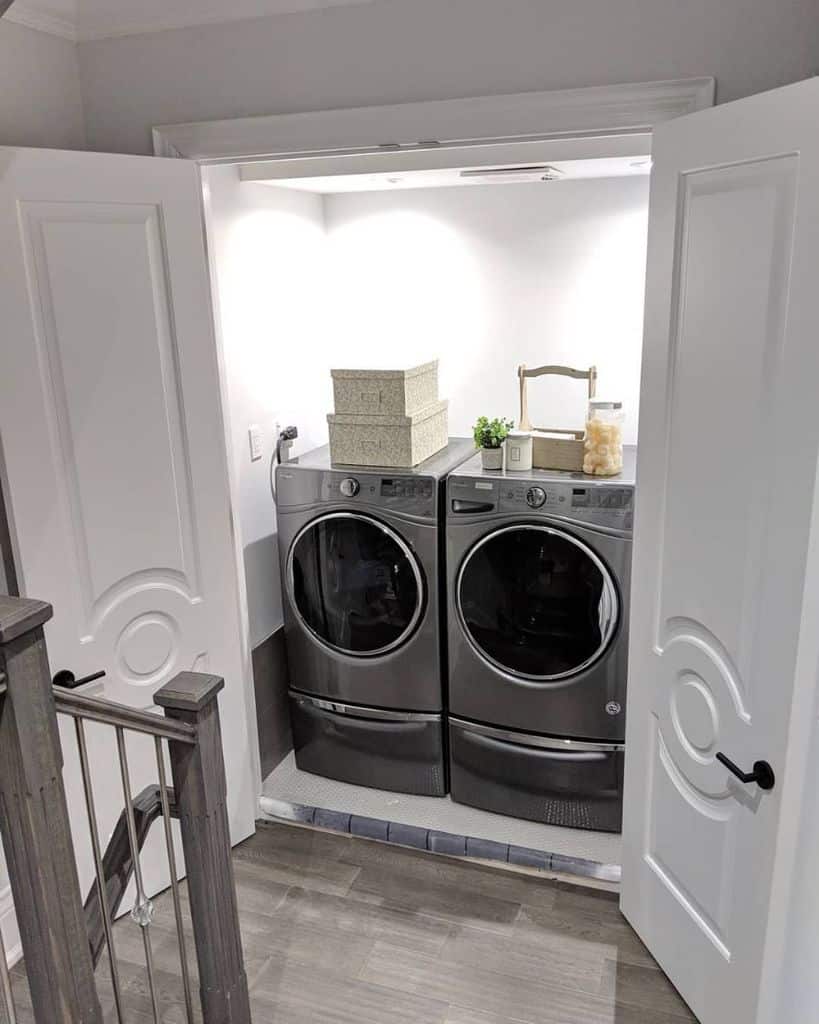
<point>341,930</point>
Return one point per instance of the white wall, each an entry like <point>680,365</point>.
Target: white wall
<point>267,249</point>
<point>40,102</point>
<point>393,51</point>
<point>483,277</point>
<point>488,277</point>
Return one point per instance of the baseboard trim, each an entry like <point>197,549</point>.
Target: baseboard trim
<point>444,843</point>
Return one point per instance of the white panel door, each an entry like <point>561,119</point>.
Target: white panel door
<point>729,439</point>
<point>111,426</point>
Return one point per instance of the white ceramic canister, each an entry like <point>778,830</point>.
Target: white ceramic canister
<point>519,450</point>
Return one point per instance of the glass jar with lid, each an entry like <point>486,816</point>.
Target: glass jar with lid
<point>603,446</point>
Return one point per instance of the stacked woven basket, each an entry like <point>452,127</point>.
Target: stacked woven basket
<point>389,418</point>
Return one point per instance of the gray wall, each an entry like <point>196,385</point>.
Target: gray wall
<point>40,103</point>
<point>270,682</point>
<point>395,51</point>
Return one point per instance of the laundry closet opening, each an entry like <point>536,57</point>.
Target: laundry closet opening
<point>378,263</point>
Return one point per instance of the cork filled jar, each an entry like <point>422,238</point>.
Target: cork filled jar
<point>603,447</point>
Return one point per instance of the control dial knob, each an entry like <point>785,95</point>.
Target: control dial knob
<point>349,487</point>
<point>535,497</point>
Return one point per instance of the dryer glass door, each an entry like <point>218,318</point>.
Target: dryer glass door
<point>536,602</point>
<point>355,584</point>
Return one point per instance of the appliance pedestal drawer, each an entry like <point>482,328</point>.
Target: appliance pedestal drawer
<point>568,783</point>
<point>395,750</point>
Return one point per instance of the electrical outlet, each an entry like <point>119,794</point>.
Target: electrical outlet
<point>254,433</point>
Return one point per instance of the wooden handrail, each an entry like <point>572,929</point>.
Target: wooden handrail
<point>96,709</point>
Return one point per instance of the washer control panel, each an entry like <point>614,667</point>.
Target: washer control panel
<point>407,488</point>
<point>409,494</point>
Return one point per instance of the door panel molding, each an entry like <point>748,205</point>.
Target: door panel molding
<point>664,769</point>
<point>67,406</point>
<point>768,212</point>
<point>146,491</point>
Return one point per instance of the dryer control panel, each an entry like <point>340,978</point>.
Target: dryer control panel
<point>601,504</point>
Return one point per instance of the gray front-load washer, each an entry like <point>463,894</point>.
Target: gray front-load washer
<point>361,560</point>
<point>539,571</point>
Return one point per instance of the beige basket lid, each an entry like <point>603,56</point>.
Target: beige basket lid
<point>413,371</point>
<point>342,419</point>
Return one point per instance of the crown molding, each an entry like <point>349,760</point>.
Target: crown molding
<point>632,108</point>
<point>100,27</point>
<point>62,18</point>
<point>42,18</point>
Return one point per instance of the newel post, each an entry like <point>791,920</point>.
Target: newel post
<point>35,826</point>
<point>201,800</point>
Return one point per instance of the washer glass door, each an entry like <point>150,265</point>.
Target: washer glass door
<point>536,602</point>
<point>355,584</point>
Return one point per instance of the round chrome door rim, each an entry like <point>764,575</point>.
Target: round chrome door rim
<point>406,551</point>
<point>609,600</point>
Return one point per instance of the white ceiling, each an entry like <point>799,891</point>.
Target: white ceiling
<point>96,19</point>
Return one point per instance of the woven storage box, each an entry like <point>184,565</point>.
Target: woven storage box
<point>385,392</point>
<point>398,442</point>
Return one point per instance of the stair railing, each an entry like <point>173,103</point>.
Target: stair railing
<point>62,938</point>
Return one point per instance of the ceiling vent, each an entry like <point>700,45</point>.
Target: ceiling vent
<point>493,175</point>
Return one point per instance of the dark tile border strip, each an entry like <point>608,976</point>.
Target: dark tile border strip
<point>446,843</point>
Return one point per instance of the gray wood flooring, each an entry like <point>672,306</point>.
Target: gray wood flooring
<point>341,930</point>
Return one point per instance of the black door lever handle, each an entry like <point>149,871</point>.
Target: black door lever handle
<point>762,774</point>
<point>65,678</point>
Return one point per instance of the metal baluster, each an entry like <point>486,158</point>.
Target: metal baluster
<point>5,984</point>
<point>177,905</point>
<point>98,867</point>
<point>143,908</point>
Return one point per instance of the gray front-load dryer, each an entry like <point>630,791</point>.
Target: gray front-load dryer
<point>361,562</point>
<point>539,572</point>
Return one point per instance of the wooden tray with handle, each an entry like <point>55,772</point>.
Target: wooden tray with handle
<point>550,452</point>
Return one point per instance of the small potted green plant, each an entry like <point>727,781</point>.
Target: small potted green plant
<point>489,437</point>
